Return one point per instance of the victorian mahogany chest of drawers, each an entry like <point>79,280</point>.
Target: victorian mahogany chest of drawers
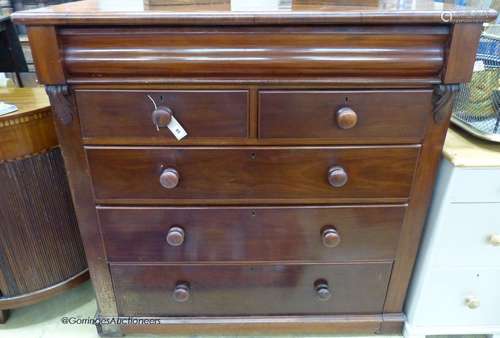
<point>252,169</point>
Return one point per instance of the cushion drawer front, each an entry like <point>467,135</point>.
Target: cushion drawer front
<point>251,233</point>
<point>375,116</point>
<point>463,297</point>
<point>128,114</point>
<point>234,290</point>
<point>243,174</point>
<point>213,53</point>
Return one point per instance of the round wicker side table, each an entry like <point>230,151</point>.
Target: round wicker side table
<point>41,253</point>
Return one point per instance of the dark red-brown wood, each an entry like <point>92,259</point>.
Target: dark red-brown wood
<point>147,290</point>
<point>251,175</point>
<point>382,116</point>
<point>250,233</point>
<point>40,244</point>
<point>69,136</point>
<point>461,53</point>
<point>222,12</point>
<point>398,51</point>
<point>254,52</point>
<point>203,114</point>
<point>44,44</point>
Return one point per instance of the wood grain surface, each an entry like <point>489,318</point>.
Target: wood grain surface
<point>40,243</point>
<point>145,290</point>
<point>251,175</point>
<point>268,142</point>
<point>250,233</point>
<point>30,129</point>
<point>382,116</point>
<point>297,12</point>
<point>254,52</point>
<point>203,114</point>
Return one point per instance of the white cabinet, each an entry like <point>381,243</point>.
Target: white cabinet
<point>456,282</point>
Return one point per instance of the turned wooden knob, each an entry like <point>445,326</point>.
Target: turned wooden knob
<point>346,118</point>
<point>169,178</point>
<point>331,237</point>
<point>181,292</point>
<point>472,302</point>
<point>175,236</point>
<point>162,116</point>
<point>322,289</point>
<point>494,240</point>
<point>337,176</point>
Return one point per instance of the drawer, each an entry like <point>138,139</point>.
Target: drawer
<point>218,290</point>
<point>453,293</point>
<point>181,234</point>
<point>246,175</point>
<point>128,114</point>
<point>216,53</point>
<point>385,116</point>
<point>469,236</point>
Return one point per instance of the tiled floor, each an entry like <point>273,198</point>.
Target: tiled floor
<point>43,320</point>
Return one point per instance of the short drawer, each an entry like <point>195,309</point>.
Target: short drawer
<point>218,290</point>
<point>246,175</point>
<point>192,234</point>
<point>112,114</point>
<point>385,116</point>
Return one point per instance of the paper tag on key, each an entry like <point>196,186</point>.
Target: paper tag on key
<point>175,127</point>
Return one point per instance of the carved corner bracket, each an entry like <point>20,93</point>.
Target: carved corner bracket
<point>62,102</point>
<point>442,100</point>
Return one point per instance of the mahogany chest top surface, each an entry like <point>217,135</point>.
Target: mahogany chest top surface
<point>242,12</point>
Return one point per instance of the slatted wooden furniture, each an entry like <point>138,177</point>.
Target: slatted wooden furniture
<point>296,200</point>
<point>41,252</point>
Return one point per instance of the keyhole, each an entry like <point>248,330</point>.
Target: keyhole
<point>253,156</point>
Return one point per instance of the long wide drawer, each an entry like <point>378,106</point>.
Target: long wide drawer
<point>365,116</point>
<point>193,234</point>
<point>218,290</point>
<point>245,175</point>
<point>128,114</point>
<point>250,52</point>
